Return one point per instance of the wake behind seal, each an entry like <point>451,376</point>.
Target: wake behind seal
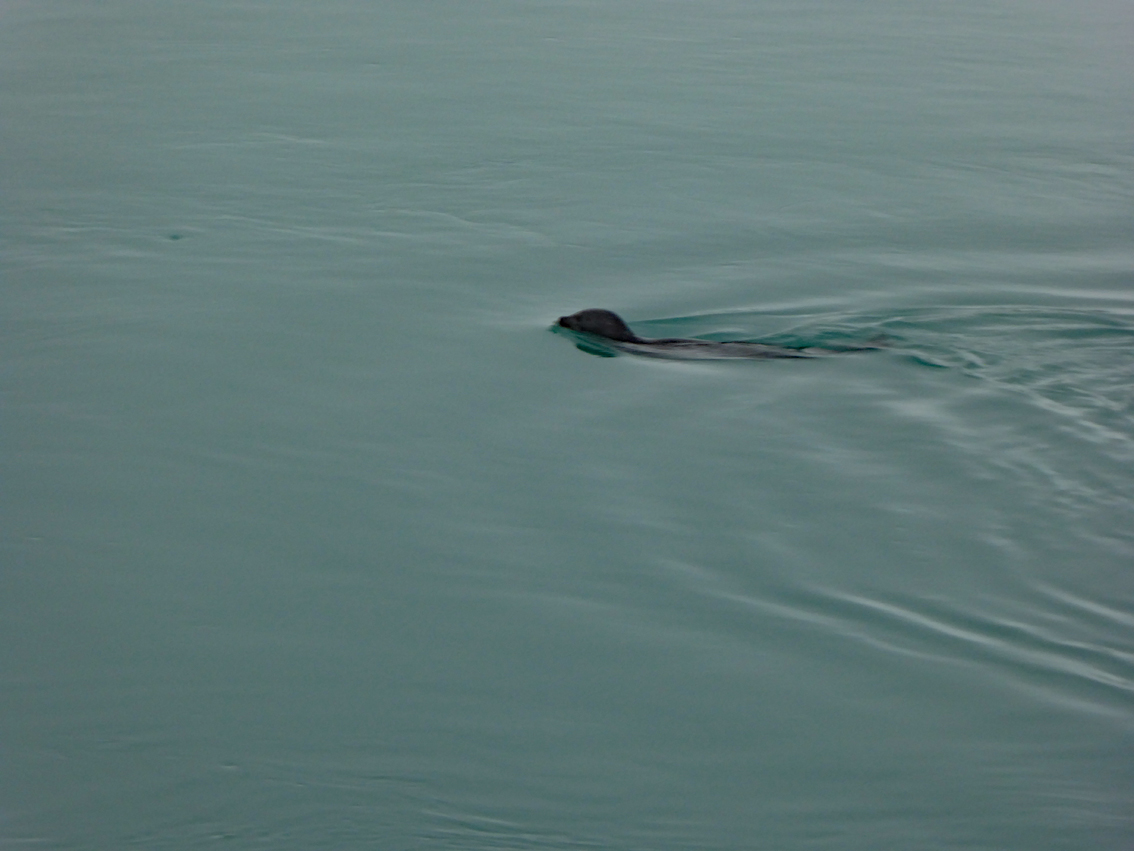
<point>609,331</point>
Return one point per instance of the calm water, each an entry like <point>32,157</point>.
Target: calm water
<point>314,537</point>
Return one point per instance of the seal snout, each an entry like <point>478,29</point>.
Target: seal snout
<point>574,322</point>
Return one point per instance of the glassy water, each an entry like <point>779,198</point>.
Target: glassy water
<point>314,537</point>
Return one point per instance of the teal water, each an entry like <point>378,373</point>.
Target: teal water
<point>314,537</point>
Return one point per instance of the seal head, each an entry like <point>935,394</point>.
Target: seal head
<point>601,323</point>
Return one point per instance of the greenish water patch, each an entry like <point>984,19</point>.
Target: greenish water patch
<point>313,537</point>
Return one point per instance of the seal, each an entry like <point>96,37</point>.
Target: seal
<point>606,328</point>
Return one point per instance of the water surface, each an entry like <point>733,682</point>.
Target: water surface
<point>315,537</point>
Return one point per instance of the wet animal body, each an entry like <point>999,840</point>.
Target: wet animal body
<point>611,330</point>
